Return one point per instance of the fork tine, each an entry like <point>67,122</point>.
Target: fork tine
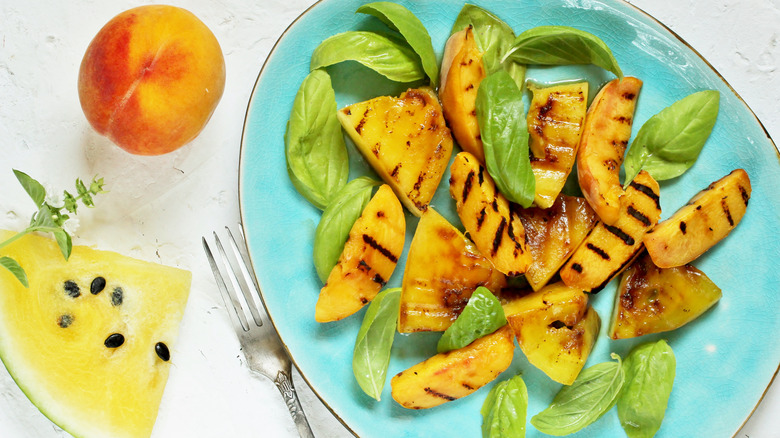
<point>242,256</point>
<point>238,282</point>
<point>227,296</point>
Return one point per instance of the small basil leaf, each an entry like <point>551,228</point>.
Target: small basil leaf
<point>64,242</point>
<point>504,133</point>
<point>43,219</point>
<point>336,222</point>
<point>592,394</point>
<point>374,342</point>
<point>387,56</point>
<point>504,409</point>
<point>32,187</point>
<point>13,267</point>
<point>650,370</point>
<point>670,142</point>
<point>316,154</point>
<point>407,24</point>
<point>482,316</point>
<point>562,45</point>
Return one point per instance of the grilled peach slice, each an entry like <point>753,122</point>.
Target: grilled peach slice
<point>405,139</point>
<point>456,373</point>
<point>370,254</point>
<point>443,269</point>
<point>609,249</point>
<point>653,300</point>
<point>555,121</point>
<point>496,231</point>
<point>461,73</point>
<point>699,225</point>
<point>553,235</point>
<point>603,144</point>
<point>556,329</point>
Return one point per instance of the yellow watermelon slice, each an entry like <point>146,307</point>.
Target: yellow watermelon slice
<point>90,341</point>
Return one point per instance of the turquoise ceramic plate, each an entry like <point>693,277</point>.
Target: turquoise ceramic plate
<point>725,359</point>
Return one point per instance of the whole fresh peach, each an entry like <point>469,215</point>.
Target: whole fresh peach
<point>151,78</point>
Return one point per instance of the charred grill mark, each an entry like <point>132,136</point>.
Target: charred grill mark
<point>647,191</point>
<point>467,386</point>
<point>622,266</point>
<point>348,112</point>
<point>474,113</point>
<point>499,236</point>
<point>362,121</point>
<point>380,213</point>
<point>364,300</point>
<point>481,175</point>
<point>683,227</point>
<point>624,120</point>
<point>469,87</point>
<point>622,235</point>
<point>467,186</point>
<point>600,252</point>
<point>576,267</point>
<point>382,250</point>
<point>726,211</point>
<point>481,218</point>
<point>394,173</point>
<point>610,164</point>
<point>511,232</point>
<point>638,215</point>
<point>745,195</point>
<point>363,266</point>
<point>558,324</point>
<point>494,204</point>
<point>434,393</point>
<point>418,183</point>
<point>546,108</point>
<point>629,96</point>
<point>379,280</point>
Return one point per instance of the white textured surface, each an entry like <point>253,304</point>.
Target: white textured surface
<point>159,207</point>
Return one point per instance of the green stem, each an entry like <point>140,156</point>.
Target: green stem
<point>27,231</point>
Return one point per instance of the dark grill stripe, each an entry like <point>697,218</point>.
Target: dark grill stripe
<point>467,186</point>
<point>638,215</point>
<point>603,254</point>
<point>378,279</point>
<point>726,210</point>
<point>481,218</point>
<point>577,267</point>
<point>628,260</point>
<point>683,227</point>
<point>499,236</point>
<point>628,240</point>
<point>481,175</point>
<point>647,191</point>
<point>745,196</point>
<point>374,244</point>
<point>438,394</point>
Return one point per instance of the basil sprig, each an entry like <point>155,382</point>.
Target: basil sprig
<point>650,370</point>
<point>386,55</point>
<point>504,409</point>
<point>371,356</point>
<point>562,45</point>
<point>504,133</point>
<point>400,19</point>
<point>482,315</point>
<point>592,394</point>
<point>317,160</point>
<point>670,142</point>
<point>336,222</point>
<point>493,37</point>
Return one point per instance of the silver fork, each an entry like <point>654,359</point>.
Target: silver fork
<point>260,342</point>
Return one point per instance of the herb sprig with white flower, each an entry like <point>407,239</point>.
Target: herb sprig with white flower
<point>51,217</point>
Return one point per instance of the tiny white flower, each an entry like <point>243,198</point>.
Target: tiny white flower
<point>71,225</point>
<point>53,197</point>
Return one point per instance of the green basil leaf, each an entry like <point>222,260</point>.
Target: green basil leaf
<point>64,242</point>
<point>650,370</point>
<point>504,409</point>
<point>592,394</point>
<point>375,340</point>
<point>317,160</point>
<point>32,187</point>
<point>482,316</point>
<point>504,133</point>
<point>670,142</point>
<point>43,219</point>
<point>562,45</point>
<point>387,56</point>
<point>399,18</point>
<point>13,267</point>
<point>336,222</point>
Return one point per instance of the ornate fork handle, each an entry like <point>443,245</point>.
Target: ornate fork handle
<point>285,385</point>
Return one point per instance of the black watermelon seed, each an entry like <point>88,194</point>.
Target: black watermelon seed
<point>72,289</point>
<point>115,340</point>
<point>117,296</point>
<point>65,321</point>
<point>162,351</point>
<point>97,286</point>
